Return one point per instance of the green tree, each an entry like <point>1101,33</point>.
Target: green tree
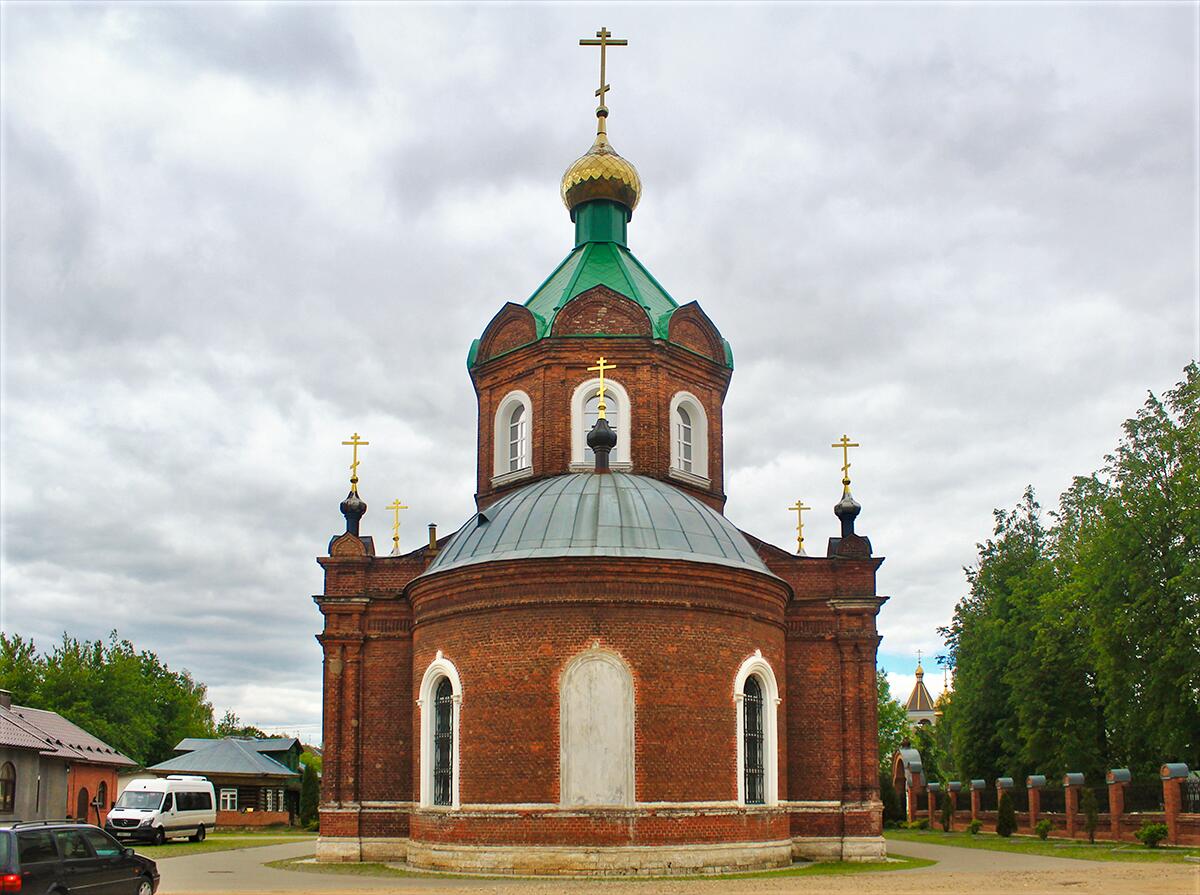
<point>231,725</point>
<point>129,699</point>
<point>310,794</point>
<point>1006,817</point>
<point>1091,814</point>
<point>893,723</point>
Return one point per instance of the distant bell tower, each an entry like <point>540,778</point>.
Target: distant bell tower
<point>920,706</point>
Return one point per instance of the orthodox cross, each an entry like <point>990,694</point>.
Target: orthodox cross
<point>799,509</point>
<point>601,366</point>
<point>396,506</point>
<point>845,444</point>
<point>918,658</point>
<point>605,41</point>
<point>355,442</point>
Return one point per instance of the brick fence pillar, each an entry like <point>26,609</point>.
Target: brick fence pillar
<point>974,804</point>
<point>933,796</point>
<point>912,802</point>
<point>1071,794</point>
<point>1172,801</point>
<point>1116,807</point>
<point>1035,805</point>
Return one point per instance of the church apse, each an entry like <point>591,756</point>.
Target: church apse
<point>598,672</point>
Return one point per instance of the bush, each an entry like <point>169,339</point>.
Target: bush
<point>893,811</point>
<point>974,827</point>
<point>919,824</point>
<point>1151,834</point>
<point>1006,817</point>
<point>1043,829</point>
<point>1091,815</point>
<point>947,815</point>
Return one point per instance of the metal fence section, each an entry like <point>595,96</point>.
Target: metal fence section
<point>1189,791</point>
<point>987,799</point>
<point>1101,795</point>
<point>1020,798</point>
<point>1143,797</point>
<point>1054,799</point>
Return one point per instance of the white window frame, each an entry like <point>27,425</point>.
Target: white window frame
<point>439,668</point>
<point>228,799</point>
<point>500,438</point>
<point>759,667</point>
<point>614,393</point>
<point>699,473</point>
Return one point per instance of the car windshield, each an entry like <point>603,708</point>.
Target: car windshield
<point>139,799</point>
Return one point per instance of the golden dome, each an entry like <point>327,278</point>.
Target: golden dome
<point>601,174</point>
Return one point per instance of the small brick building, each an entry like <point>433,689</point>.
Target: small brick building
<point>598,672</point>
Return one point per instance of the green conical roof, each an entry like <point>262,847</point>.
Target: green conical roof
<point>601,258</point>
<point>601,264</point>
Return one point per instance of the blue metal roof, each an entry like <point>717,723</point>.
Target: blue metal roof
<point>227,756</point>
<point>590,514</point>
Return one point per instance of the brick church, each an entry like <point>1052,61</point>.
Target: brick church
<point>599,672</point>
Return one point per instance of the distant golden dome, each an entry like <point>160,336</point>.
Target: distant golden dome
<point>601,174</point>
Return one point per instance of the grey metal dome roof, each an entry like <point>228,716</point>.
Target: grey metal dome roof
<point>586,514</point>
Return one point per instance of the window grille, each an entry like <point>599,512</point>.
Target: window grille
<point>753,741</point>
<point>517,441</point>
<point>683,439</point>
<point>443,742</point>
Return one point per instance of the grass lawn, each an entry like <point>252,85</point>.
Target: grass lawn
<point>221,842</point>
<point>897,862</point>
<point>1055,848</point>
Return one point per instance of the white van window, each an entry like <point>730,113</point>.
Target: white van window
<point>169,803</point>
<point>140,798</point>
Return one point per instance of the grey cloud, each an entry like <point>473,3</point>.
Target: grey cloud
<point>963,236</point>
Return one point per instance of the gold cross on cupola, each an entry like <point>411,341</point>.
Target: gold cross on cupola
<point>601,366</point>
<point>845,444</point>
<point>355,442</point>
<point>799,510</point>
<point>396,506</point>
<point>604,40</point>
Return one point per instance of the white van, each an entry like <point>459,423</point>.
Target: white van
<point>157,809</point>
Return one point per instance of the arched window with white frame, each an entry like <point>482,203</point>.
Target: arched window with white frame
<point>756,698</point>
<point>689,439</point>
<point>513,436</point>
<point>585,409</point>
<point>441,709</point>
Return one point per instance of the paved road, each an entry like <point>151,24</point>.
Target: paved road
<point>960,870</point>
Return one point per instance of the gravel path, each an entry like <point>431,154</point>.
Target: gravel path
<point>959,871</point>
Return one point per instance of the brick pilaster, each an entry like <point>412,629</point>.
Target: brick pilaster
<point>1116,807</point>
<point>974,804</point>
<point>1035,805</point>
<point>1172,802</point>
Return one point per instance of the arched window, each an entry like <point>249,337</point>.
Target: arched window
<point>441,705</point>
<point>518,442</point>
<point>689,439</point>
<point>752,742</point>
<point>8,788</point>
<point>81,804</point>
<point>683,439</point>
<point>102,795</point>
<point>585,409</point>
<point>756,698</point>
<point>512,437</point>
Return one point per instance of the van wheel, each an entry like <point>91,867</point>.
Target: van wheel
<point>199,837</point>
<point>160,836</point>
<point>144,887</point>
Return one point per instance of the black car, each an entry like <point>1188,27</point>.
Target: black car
<point>50,856</point>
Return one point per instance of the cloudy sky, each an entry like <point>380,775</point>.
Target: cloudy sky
<point>233,235</point>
